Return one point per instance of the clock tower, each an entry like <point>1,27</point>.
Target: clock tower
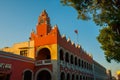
<point>44,33</point>
<point>43,26</point>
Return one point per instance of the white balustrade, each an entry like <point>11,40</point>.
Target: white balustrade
<point>42,62</point>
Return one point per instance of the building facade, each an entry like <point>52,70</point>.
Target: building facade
<point>99,71</point>
<point>48,55</point>
<point>15,67</point>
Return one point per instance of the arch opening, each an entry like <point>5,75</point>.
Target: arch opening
<point>68,76</point>
<point>43,54</point>
<point>75,60</point>
<point>73,77</point>
<point>80,77</point>
<point>67,57</point>
<point>62,76</point>
<point>71,58</point>
<point>61,55</point>
<point>44,75</point>
<point>27,75</point>
<point>4,76</point>
<point>76,77</point>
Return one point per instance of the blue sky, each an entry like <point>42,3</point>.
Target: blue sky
<point>19,17</point>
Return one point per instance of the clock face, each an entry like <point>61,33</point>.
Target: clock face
<point>41,21</point>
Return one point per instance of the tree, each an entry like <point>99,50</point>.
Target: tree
<point>110,42</point>
<point>103,13</point>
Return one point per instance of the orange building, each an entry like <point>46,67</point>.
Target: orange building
<point>50,56</point>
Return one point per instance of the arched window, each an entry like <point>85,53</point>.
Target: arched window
<point>76,77</point>
<point>75,60</point>
<point>71,59</point>
<point>73,77</point>
<point>79,62</point>
<point>68,76</point>
<point>62,76</point>
<point>87,66</point>
<point>82,63</point>
<point>4,76</point>
<point>80,77</point>
<point>86,78</point>
<point>43,54</point>
<point>61,55</point>
<point>27,75</point>
<point>83,77</point>
<point>67,57</point>
<point>91,67</point>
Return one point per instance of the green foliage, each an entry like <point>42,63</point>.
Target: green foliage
<point>103,12</point>
<point>110,42</point>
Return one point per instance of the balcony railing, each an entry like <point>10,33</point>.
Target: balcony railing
<point>62,62</point>
<point>42,62</point>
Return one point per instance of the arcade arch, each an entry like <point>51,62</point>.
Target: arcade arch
<point>27,75</point>
<point>62,76</point>
<point>43,75</point>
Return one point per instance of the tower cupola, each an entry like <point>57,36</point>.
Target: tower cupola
<point>43,26</point>
<point>43,18</point>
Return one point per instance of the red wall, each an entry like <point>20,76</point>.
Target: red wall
<point>17,67</point>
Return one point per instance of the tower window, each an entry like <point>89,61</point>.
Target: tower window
<point>41,35</point>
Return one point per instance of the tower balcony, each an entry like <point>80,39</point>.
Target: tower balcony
<point>43,62</point>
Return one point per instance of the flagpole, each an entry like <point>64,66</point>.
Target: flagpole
<point>77,39</point>
<point>76,31</point>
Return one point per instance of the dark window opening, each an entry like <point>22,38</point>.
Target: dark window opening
<point>62,76</point>
<point>67,57</point>
<point>61,54</point>
<point>44,75</point>
<point>77,77</point>
<point>47,56</point>
<point>71,58</point>
<point>75,60</point>
<point>82,63</point>
<point>80,77</point>
<point>24,52</point>
<point>73,77</point>
<point>4,76</point>
<point>41,35</point>
<point>68,76</point>
<point>83,77</point>
<point>79,62</point>
<point>27,75</point>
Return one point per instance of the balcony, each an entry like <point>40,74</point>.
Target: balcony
<point>73,67</point>
<point>69,65</point>
<point>62,62</point>
<point>43,62</point>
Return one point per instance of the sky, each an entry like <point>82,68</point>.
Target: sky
<point>19,17</point>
